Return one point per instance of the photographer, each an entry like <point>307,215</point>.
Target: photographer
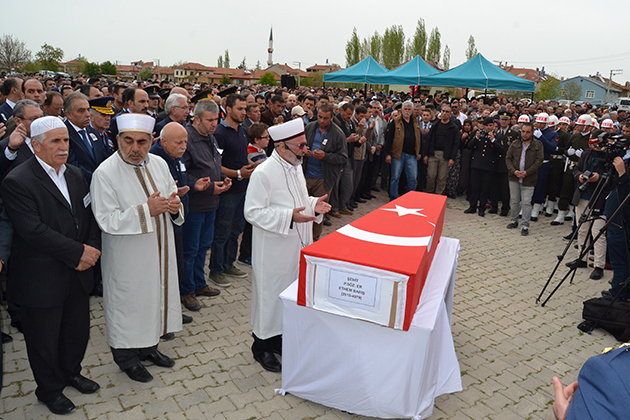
<point>486,151</point>
<point>587,173</point>
<point>615,235</point>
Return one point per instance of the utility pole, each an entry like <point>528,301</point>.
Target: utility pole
<point>609,84</point>
<point>299,63</point>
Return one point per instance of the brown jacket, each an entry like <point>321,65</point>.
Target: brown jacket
<point>396,147</point>
<point>533,161</point>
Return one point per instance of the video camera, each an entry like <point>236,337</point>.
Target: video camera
<point>614,145</point>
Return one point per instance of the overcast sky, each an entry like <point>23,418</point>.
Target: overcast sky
<point>569,38</point>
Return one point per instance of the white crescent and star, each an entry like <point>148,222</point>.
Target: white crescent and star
<point>363,235</point>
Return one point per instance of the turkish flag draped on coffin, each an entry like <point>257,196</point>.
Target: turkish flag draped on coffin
<point>375,267</point>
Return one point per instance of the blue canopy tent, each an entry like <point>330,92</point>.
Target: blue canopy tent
<point>358,73</point>
<point>411,73</point>
<point>478,73</point>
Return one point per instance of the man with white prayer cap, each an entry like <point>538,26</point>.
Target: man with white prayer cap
<point>55,247</point>
<point>134,199</point>
<point>281,212</point>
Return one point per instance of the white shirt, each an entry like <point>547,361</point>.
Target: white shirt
<point>57,178</point>
<point>13,156</point>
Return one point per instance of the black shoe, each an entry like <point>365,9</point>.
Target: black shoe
<point>481,212</point>
<point>139,373</point>
<point>360,200</point>
<point>375,189</point>
<point>168,336</point>
<point>17,325</point>
<point>60,405</point>
<point>160,359</point>
<point>568,237</point>
<point>186,319</point>
<point>98,290</point>
<point>577,264</point>
<point>327,222</point>
<point>597,274</point>
<point>493,210</point>
<point>82,384</point>
<point>352,206</point>
<point>470,210</point>
<point>512,225</point>
<point>505,212</point>
<point>606,295</point>
<point>6,338</point>
<point>524,232</point>
<point>269,361</point>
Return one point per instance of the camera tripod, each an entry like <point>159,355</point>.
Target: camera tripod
<point>586,216</point>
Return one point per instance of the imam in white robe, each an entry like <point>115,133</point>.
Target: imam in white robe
<point>275,188</point>
<point>138,262</point>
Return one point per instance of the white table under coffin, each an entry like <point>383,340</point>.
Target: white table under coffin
<point>368,369</point>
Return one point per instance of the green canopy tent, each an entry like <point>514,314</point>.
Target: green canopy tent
<point>358,73</point>
<point>411,73</point>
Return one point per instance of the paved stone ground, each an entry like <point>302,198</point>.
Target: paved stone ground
<point>508,347</point>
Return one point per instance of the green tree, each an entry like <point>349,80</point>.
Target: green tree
<point>225,80</point>
<point>242,66</point>
<point>434,47</point>
<point>550,88</point>
<point>31,67</point>
<point>471,51</point>
<point>376,46</point>
<point>258,67</point>
<point>13,53</point>
<point>572,91</point>
<point>220,61</point>
<point>365,48</point>
<point>268,78</point>
<point>226,59</point>
<point>108,68</point>
<point>353,49</point>
<point>145,74</point>
<point>418,44</point>
<point>49,57</point>
<point>393,51</point>
<point>91,69</point>
<point>446,61</point>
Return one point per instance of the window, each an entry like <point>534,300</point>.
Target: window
<point>590,94</point>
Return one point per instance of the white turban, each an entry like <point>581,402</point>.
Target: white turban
<point>135,122</point>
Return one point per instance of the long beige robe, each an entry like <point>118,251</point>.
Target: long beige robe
<point>138,262</point>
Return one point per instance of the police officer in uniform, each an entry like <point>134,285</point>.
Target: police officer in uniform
<point>500,190</point>
<point>154,100</point>
<point>484,161</point>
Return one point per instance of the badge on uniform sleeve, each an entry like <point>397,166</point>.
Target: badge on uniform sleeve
<point>87,200</point>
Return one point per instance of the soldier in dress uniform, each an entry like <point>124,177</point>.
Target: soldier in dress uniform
<point>224,94</point>
<point>500,190</point>
<point>154,99</point>
<point>101,112</point>
<point>485,158</point>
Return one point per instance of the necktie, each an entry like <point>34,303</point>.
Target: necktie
<point>86,141</point>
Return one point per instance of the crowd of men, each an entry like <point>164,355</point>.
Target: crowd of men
<point>125,187</point>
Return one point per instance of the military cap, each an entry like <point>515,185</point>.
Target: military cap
<point>202,96</point>
<point>102,105</point>
<point>227,92</point>
<point>163,93</point>
<point>152,91</point>
<point>505,115</point>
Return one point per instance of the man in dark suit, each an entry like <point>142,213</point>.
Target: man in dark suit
<point>56,244</point>
<point>16,148</point>
<point>12,90</point>
<point>87,149</point>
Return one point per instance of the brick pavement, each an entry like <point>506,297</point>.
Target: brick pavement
<point>508,348</point>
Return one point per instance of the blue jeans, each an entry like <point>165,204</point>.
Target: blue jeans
<point>198,231</point>
<point>618,260</point>
<point>410,164</point>
<point>228,226</point>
